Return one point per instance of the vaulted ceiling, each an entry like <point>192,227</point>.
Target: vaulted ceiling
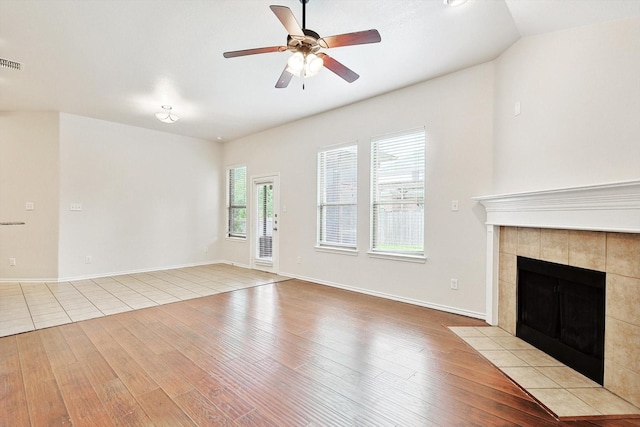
<point>121,60</point>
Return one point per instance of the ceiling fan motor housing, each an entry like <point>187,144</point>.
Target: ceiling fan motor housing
<point>306,45</point>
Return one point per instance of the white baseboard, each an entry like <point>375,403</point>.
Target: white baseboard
<point>29,280</point>
<point>109,274</point>
<point>137,271</point>
<point>439,307</point>
<point>236,264</point>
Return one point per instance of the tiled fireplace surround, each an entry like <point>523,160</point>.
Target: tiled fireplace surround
<point>596,227</point>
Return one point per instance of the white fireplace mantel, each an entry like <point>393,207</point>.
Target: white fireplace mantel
<point>605,207</point>
<point>613,207</point>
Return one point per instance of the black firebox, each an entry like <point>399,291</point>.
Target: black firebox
<point>561,311</point>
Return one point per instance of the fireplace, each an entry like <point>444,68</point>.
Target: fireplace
<point>561,311</point>
<point>594,227</point>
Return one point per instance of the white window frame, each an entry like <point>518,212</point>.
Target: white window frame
<point>321,243</point>
<point>388,141</point>
<point>229,233</point>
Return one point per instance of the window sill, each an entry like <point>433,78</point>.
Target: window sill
<point>337,250</point>
<point>398,257</point>
<point>236,239</point>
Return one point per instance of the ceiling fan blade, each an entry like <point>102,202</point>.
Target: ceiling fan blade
<point>350,39</point>
<point>284,79</point>
<point>337,67</point>
<point>287,19</point>
<point>255,51</point>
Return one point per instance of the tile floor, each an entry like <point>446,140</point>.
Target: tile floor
<point>565,392</point>
<point>29,306</point>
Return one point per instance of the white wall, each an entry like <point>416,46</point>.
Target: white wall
<point>457,113</point>
<point>29,163</point>
<point>579,91</point>
<point>150,199</point>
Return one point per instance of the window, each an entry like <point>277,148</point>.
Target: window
<point>397,193</point>
<point>237,202</point>
<point>338,197</point>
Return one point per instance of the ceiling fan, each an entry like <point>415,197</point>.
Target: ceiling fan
<point>307,60</point>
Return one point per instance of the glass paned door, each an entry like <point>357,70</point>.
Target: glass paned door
<point>265,224</point>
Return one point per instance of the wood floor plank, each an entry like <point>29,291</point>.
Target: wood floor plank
<point>13,410</point>
<point>232,405</point>
<point>123,409</point>
<point>254,419</point>
<point>44,401</point>
<point>132,375</point>
<point>84,405</point>
<point>163,411</point>
<point>78,342</point>
<point>201,410</point>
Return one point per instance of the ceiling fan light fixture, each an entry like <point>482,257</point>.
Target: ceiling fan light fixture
<point>166,116</point>
<point>301,65</point>
<point>453,3</point>
<point>296,63</point>
<point>313,65</point>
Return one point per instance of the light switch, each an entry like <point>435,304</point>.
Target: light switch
<point>454,206</point>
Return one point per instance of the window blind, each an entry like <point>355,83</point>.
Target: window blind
<point>237,202</point>
<point>397,186</point>
<point>338,197</point>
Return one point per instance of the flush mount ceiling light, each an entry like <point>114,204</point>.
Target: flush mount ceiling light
<point>166,116</point>
<point>453,3</point>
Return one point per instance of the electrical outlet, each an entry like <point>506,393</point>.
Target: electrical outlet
<point>298,260</point>
<point>29,206</point>
<point>12,262</point>
<point>454,284</point>
<point>454,205</point>
<point>76,207</point>
<point>87,259</point>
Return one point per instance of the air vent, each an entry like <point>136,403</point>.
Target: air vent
<point>5,63</point>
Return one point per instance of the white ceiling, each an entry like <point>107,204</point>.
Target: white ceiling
<point>121,60</point>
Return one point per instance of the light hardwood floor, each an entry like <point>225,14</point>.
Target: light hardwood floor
<point>291,353</point>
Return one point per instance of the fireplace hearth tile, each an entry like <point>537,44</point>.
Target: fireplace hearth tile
<point>567,377</point>
<point>529,377</point>
<point>513,343</point>
<point>503,358</point>
<point>604,401</point>
<point>466,331</point>
<point>482,343</point>
<point>565,392</point>
<point>494,332</point>
<point>562,403</point>
<point>536,357</point>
